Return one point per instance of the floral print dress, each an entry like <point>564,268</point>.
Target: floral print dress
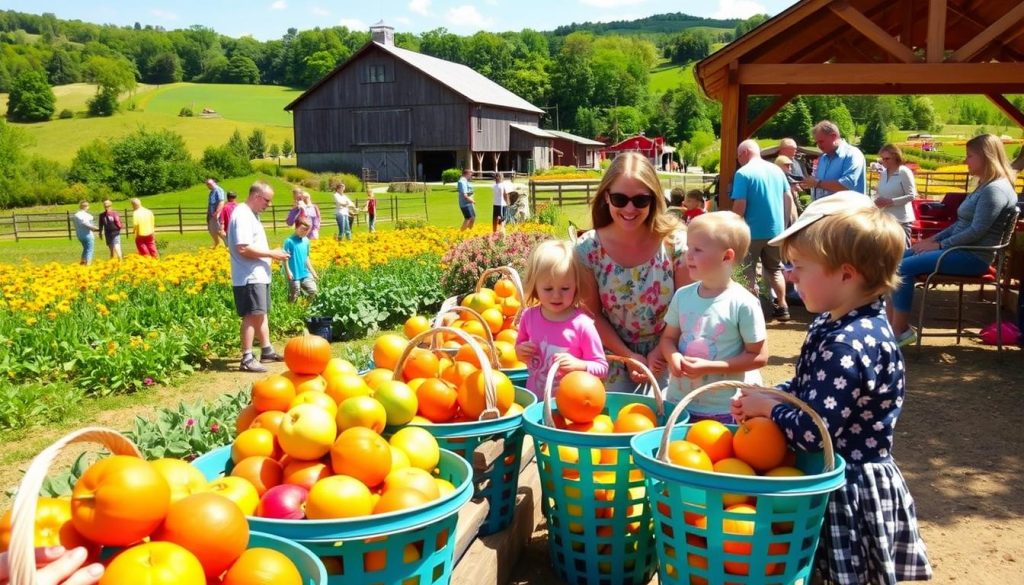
<point>633,299</point>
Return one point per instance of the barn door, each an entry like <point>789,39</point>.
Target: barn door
<point>391,165</point>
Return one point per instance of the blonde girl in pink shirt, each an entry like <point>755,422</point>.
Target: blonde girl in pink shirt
<point>554,331</point>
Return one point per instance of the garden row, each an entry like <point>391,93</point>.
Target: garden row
<point>70,331</point>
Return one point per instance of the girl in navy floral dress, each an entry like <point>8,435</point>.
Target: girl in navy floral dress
<point>845,254</point>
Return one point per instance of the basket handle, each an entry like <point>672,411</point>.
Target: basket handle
<point>23,516</point>
<point>659,396</point>
<point>512,275</point>
<point>789,399</point>
<point>490,392</point>
<point>492,351</point>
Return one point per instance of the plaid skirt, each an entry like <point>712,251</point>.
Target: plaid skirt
<point>870,531</point>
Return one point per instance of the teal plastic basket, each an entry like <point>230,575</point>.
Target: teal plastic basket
<point>349,548</point>
<point>499,482</point>
<point>598,521</point>
<point>699,541</point>
<point>310,567</point>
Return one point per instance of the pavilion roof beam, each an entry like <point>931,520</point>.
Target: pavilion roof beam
<point>963,15</point>
<point>985,37</point>
<point>1007,108</point>
<point>809,40</point>
<point>773,108</point>
<point>936,31</point>
<point>872,31</point>
<point>840,75</point>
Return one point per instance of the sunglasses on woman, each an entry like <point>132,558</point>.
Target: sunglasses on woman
<point>620,200</point>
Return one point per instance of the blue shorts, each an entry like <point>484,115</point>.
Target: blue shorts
<point>468,211</point>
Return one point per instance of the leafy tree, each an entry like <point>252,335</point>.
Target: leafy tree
<point>689,113</point>
<point>286,148</point>
<point>104,103</point>
<point>317,66</point>
<point>572,76</point>
<point>147,162</point>
<point>62,68</point>
<point>274,150</point>
<point>750,24</point>
<point>238,145</point>
<point>624,121</point>
<point>257,143</point>
<point>923,113</point>
<point>116,73</point>
<point>242,69</point>
<point>875,136</point>
<point>31,98</point>
<point>692,150</point>
<point>165,68</point>
<point>588,122</point>
<point>840,116</point>
<point>444,45</point>
<point>222,161</point>
<point>93,164</point>
<point>688,46</point>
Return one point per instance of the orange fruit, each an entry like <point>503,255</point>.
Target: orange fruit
<point>245,417</point>
<point>305,473</point>
<point>760,443</point>
<point>346,386</point>
<point>238,490</point>
<point>209,526</point>
<point>53,526</point>
<point>476,328</point>
<point>734,466</point>
<point>306,382</point>
<point>415,325</point>
<point>270,420</point>
<point>437,400</point>
<point>119,500</point>
<point>255,442</point>
<point>262,566</point>
<point>510,307</point>
<point>363,454</point>
<point>505,288</point>
<point>307,354</point>
<point>338,367</point>
<point>275,392</point>
<point>580,396</point>
<point>387,349</point>
<point>262,472</point>
<point>458,372</point>
<point>400,498</point>
<point>319,399</point>
<point>415,478</point>
<point>632,422</point>
<point>494,319</point>
<point>420,363</point>
<point>361,411</point>
<point>378,376</point>
<point>507,335</point>
<point>376,560</point>
<point>338,496</point>
<point>506,354</point>
<point>471,395</point>
<point>686,454</point>
<point>399,401</point>
<point>154,563</point>
<point>641,408</point>
<point>738,527</point>
<point>419,446</point>
<point>712,436</point>
<point>183,479</point>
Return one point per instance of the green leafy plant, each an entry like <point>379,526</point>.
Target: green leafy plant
<point>450,175</point>
<point>548,214</point>
<point>410,224</point>
<point>464,263</point>
<point>189,430</point>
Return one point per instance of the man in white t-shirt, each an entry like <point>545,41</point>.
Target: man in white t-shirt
<point>343,212</point>
<point>250,275</point>
<point>500,189</point>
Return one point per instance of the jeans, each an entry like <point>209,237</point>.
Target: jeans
<point>957,262</point>
<point>88,246</point>
<point>371,221</point>
<point>344,226</point>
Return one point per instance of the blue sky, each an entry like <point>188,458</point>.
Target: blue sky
<point>269,19</point>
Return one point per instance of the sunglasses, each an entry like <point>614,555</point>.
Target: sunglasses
<point>620,200</point>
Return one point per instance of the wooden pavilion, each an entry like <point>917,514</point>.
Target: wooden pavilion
<point>865,47</point>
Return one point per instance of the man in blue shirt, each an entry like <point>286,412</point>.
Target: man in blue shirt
<point>759,192</point>
<point>214,204</point>
<point>841,166</point>
<point>466,201</point>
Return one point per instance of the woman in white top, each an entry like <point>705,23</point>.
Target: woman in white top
<point>500,202</point>
<point>342,212</point>
<point>896,190</point>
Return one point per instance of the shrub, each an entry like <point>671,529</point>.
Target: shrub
<point>407,187</point>
<point>257,143</point>
<point>328,182</point>
<point>185,112</point>
<point>410,224</point>
<point>450,175</point>
<point>605,163</point>
<point>296,175</point>
<point>286,148</point>
<point>224,162</point>
<point>464,263</point>
<point>93,164</point>
<point>267,167</point>
<point>104,103</point>
<point>274,150</point>
<point>31,98</point>
<point>148,162</point>
<point>548,214</point>
<point>709,162</point>
<point>66,114</point>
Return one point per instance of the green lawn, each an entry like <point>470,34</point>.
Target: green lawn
<point>258,104</point>
<point>666,76</point>
<point>74,96</point>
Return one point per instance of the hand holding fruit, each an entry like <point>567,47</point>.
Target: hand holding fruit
<point>526,350</point>
<point>58,566</point>
<point>751,404</point>
<point>568,363</point>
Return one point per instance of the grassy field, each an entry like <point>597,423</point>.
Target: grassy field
<point>666,76</point>
<point>241,107</point>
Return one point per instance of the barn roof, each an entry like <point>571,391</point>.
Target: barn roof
<point>461,79</point>
<point>574,138</point>
<point>533,130</point>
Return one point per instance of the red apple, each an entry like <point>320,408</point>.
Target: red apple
<point>283,502</point>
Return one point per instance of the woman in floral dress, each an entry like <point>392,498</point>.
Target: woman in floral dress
<point>634,259</point>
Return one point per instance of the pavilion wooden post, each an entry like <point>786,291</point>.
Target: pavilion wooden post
<point>730,136</point>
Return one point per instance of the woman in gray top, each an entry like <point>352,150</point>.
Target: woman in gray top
<point>978,224</point>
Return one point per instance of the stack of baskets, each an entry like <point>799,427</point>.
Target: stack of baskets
<point>499,481</point>
<point>22,554</point>
<point>699,541</point>
<point>598,520</point>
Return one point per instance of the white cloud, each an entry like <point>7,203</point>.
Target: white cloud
<point>420,7</point>
<point>163,14</point>
<point>353,24</point>
<point>318,11</point>
<point>467,16</point>
<point>610,3</point>
<point>279,5</point>
<point>738,9</point>
<point>403,20</point>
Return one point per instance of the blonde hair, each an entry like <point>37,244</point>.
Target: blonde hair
<point>725,228</point>
<point>991,150</point>
<point>634,166</point>
<point>893,150</point>
<point>550,259</point>
<point>867,238</point>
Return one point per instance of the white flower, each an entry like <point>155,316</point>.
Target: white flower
<point>821,375</point>
<point>857,345</point>
<point>870,384</point>
<point>841,443</point>
<point>865,360</point>
<point>839,382</point>
<point>879,425</point>
<point>808,437</point>
<point>866,323</point>
<point>871,442</point>
<point>846,362</point>
<point>814,356</point>
<point>830,403</point>
<point>883,452</point>
<point>855,428</point>
<point>855,393</point>
<point>812,394</point>
<point>867,415</point>
<point>878,368</point>
<point>845,412</point>
<point>856,455</point>
<point>841,337</point>
<point>883,389</point>
<point>891,367</point>
<point>863,400</point>
<point>886,404</point>
<point>870,340</point>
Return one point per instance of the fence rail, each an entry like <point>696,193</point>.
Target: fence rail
<point>391,207</point>
<point>580,191</point>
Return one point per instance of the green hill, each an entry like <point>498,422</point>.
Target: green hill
<point>666,76</point>
<point>241,107</point>
<point>657,24</point>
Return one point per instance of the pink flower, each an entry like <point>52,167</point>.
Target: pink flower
<point>148,381</point>
<point>190,423</point>
<point>214,428</point>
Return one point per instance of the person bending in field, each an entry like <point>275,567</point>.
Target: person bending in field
<point>845,254</point>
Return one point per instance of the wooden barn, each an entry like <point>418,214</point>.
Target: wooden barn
<point>575,151</point>
<point>406,115</point>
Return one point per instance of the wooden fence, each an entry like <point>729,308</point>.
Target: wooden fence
<point>59,224</point>
<point>580,191</point>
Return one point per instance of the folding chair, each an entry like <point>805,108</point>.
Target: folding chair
<point>1007,223</point>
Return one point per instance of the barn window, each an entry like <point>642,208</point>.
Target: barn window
<point>375,74</point>
<point>479,119</point>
